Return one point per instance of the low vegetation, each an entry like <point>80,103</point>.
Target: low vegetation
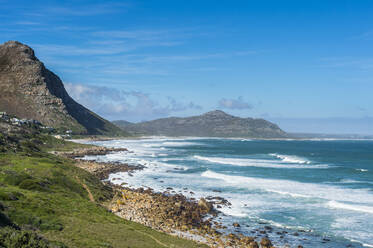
<point>46,201</point>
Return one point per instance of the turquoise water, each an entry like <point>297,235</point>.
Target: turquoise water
<point>318,193</point>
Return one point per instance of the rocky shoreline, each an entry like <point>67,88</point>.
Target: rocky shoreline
<point>100,169</point>
<point>90,151</point>
<point>167,211</point>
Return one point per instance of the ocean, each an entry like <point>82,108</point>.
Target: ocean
<point>318,193</point>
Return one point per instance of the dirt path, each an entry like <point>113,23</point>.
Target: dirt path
<point>152,237</point>
<point>91,198</point>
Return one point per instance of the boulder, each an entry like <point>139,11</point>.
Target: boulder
<point>205,204</point>
<point>236,224</point>
<point>253,244</point>
<point>265,243</point>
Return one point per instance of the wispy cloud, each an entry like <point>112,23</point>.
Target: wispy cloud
<point>238,104</point>
<point>191,57</point>
<point>127,105</point>
<point>332,125</point>
<point>134,34</point>
<point>27,23</point>
<point>342,62</point>
<point>81,50</point>
<point>82,10</point>
<point>118,57</point>
<point>107,43</point>
<point>368,35</point>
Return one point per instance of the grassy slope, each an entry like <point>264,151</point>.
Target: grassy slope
<point>43,192</point>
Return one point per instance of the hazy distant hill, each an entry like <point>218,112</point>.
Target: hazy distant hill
<point>29,90</point>
<point>212,124</point>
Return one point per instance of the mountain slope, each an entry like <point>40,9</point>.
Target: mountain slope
<point>31,91</point>
<point>211,124</point>
<point>46,201</point>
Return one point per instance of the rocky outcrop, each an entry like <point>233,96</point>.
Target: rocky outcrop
<point>169,211</point>
<point>31,91</point>
<point>91,151</point>
<point>205,205</point>
<point>212,124</point>
<point>177,215</point>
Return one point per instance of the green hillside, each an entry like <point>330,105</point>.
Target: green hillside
<point>45,201</point>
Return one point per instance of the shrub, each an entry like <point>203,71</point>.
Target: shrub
<point>10,196</point>
<point>4,220</point>
<point>29,146</point>
<point>14,178</point>
<point>33,184</point>
<point>10,237</point>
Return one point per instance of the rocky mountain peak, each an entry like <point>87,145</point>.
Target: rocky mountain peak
<point>29,90</point>
<point>216,113</point>
<point>17,53</point>
<point>211,124</point>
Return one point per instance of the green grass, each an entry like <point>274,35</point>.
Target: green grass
<point>50,143</point>
<point>42,192</point>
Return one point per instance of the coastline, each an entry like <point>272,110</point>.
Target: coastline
<point>89,139</point>
<point>168,212</point>
<point>144,151</point>
<point>168,163</point>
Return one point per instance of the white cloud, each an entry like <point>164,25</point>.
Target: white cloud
<point>27,23</point>
<point>133,34</point>
<point>127,105</point>
<point>86,10</point>
<point>238,103</point>
<point>348,62</point>
<point>76,51</point>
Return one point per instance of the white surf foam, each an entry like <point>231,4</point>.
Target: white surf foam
<point>352,207</point>
<point>363,244</point>
<point>172,143</point>
<point>349,181</point>
<point>295,189</point>
<point>220,160</point>
<point>258,163</point>
<point>291,158</point>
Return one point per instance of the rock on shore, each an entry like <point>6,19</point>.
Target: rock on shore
<point>91,151</point>
<point>177,215</point>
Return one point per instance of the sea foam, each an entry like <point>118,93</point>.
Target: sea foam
<point>295,189</point>
<point>265,163</point>
<point>352,207</point>
<point>291,158</point>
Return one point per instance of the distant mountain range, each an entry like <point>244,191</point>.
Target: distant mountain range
<point>211,124</point>
<point>29,90</point>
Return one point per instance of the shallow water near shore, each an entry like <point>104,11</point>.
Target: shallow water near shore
<point>314,193</point>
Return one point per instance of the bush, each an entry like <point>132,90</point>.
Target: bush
<point>68,184</point>
<point>42,219</point>
<point>29,146</point>
<point>4,220</point>
<point>10,196</point>
<point>14,178</point>
<point>10,237</point>
<point>32,184</point>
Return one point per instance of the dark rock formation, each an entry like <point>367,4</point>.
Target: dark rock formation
<point>211,124</point>
<point>31,91</point>
<point>265,243</point>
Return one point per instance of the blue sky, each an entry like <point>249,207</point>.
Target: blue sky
<point>307,65</point>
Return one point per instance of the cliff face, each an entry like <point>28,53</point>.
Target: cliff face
<point>29,90</point>
<point>211,124</point>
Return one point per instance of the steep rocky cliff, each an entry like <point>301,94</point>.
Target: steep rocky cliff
<point>211,124</point>
<point>29,90</point>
